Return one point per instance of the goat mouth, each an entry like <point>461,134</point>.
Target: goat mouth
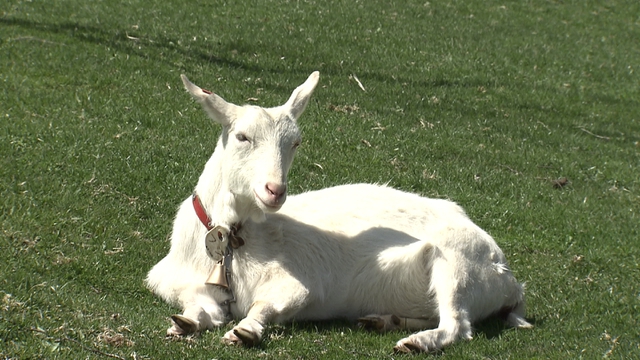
<point>270,205</point>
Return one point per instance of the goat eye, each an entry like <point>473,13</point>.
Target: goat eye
<point>296,144</point>
<point>241,137</point>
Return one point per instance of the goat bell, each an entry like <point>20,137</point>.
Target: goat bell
<point>218,276</point>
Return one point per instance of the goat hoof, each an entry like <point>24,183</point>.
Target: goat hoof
<point>247,337</point>
<point>379,323</point>
<point>230,338</point>
<point>182,326</point>
<point>407,347</point>
<point>371,323</point>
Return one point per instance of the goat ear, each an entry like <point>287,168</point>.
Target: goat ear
<point>216,107</point>
<point>300,96</point>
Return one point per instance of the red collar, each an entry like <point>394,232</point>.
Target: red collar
<point>234,240</point>
<point>202,214</point>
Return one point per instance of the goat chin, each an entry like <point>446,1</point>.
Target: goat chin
<point>268,206</point>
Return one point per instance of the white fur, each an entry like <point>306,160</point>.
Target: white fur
<point>390,259</point>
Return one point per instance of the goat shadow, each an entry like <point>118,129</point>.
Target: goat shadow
<point>490,329</point>
<point>319,333</point>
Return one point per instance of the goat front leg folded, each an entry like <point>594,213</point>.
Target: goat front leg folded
<point>249,330</point>
<point>279,301</point>
<point>201,312</point>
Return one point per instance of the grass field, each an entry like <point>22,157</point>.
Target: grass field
<point>487,103</point>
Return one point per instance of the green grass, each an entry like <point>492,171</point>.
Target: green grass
<point>481,102</point>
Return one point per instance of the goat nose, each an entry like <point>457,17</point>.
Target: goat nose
<point>275,190</point>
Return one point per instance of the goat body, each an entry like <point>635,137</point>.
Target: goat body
<point>386,258</point>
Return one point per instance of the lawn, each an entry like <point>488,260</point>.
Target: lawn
<point>526,113</point>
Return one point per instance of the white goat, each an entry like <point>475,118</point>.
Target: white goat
<point>389,259</point>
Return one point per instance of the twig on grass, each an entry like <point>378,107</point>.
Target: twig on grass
<point>514,171</point>
<point>592,134</point>
<point>545,126</point>
<point>354,77</point>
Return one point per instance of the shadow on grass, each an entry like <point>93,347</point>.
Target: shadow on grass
<point>493,327</point>
<point>225,54</point>
<point>116,38</point>
<point>120,40</point>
